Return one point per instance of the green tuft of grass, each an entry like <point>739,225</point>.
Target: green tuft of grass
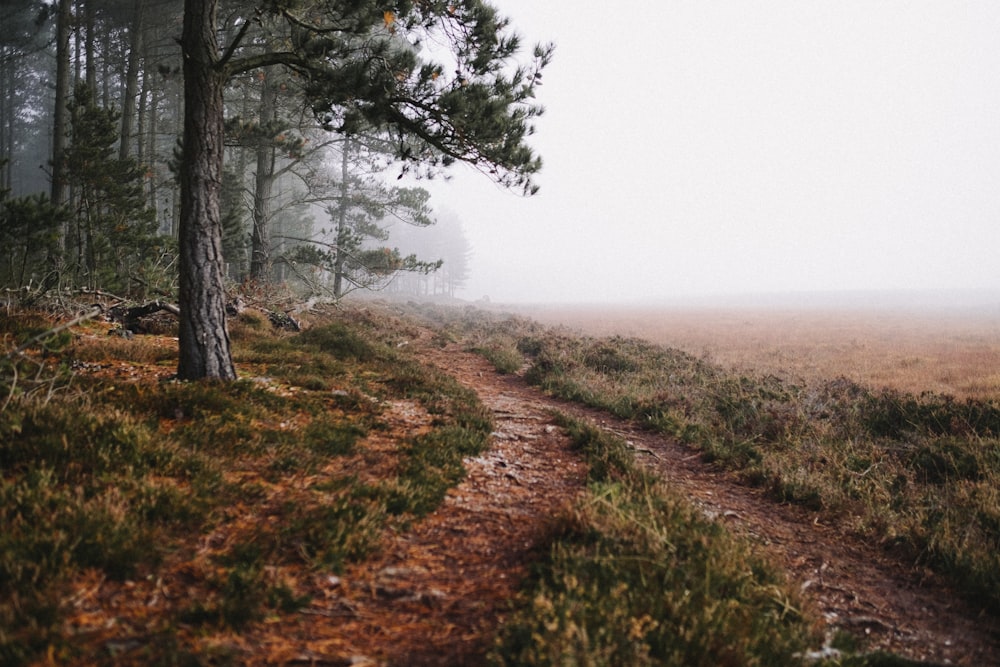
<point>340,342</point>
<point>503,354</point>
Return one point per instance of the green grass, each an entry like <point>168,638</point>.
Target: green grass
<point>635,574</point>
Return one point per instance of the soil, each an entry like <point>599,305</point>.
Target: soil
<point>440,591</point>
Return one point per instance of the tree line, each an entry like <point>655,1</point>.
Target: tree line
<point>175,147</point>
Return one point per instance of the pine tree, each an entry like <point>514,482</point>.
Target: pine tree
<point>235,236</point>
<point>30,231</point>
<point>363,70</point>
<point>358,220</point>
<point>114,233</point>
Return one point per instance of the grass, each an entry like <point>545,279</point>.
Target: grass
<point>637,576</point>
<point>239,493</point>
<point>108,469</point>
<point>953,350</point>
<point>916,473</point>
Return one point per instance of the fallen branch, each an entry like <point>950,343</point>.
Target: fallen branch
<point>129,317</point>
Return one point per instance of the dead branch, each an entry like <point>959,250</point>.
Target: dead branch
<point>129,317</point>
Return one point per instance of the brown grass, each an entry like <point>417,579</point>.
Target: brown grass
<point>945,352</point>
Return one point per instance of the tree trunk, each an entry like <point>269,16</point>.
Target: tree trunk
<point>342,231</point>
<point>151,157</point>
<point>140,121</point>
<point>204,341</point>
<point>260,253</point>
<point>7,116</point>
<point>89,48</point>
<point>131,82</point>
<point>63,21</point>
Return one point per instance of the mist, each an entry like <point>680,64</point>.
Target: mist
<point>723,149</point>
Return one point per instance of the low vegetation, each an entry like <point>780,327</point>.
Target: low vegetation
<point>636,575</point>
<point>109,474</point>
<point>240,493</point>
<point>917,473</point>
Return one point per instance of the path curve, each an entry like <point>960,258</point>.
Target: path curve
<point>856,587</point>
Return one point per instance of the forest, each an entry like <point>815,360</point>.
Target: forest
<point>325,108</point>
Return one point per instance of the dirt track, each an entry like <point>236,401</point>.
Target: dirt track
<point>855,585</point>
<point>437,593</point>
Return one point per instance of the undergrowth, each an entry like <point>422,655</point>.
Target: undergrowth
<point>104,469</point>
<point>918,474</point>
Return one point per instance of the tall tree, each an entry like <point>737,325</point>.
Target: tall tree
<point>203,339</point>
<point>260,255</point>
<point>135,34</point>
<point>64,20</point>
<point>361,64</point>
<point>25,106</point>
<point>364,208</point>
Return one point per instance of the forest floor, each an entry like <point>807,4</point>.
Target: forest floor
<point>435,594</point>
<point>474,549</point>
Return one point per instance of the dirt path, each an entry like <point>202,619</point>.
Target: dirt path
<point>856,587</point>
<point>438,592</point>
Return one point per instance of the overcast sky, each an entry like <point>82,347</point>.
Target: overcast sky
<point>715,147</point>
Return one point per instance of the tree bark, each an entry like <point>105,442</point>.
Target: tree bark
<point>7,116</point>
<point>88,44</point>
<point>203,339</point>
<point>342,231</point>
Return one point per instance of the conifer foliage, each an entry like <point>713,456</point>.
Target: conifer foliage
<point>113,239</point>
<point>364,69</point>
<point>185,146</point>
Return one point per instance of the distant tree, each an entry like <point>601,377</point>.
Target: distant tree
<point>361,67</point>
<point>274,146</point>
<point>445,240</point>
<point>64,19</point>
<point>359,218</point>
<point>114,232</point>
<point>235,239</point>
<point>352,254</point>
<point>24,95</point>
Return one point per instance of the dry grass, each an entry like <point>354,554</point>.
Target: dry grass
<point>944,352</point>
<point>911,471</point>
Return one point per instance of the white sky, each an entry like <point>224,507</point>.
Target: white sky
<point>706,147</point>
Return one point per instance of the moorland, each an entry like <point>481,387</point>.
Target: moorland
<point>410,484</point>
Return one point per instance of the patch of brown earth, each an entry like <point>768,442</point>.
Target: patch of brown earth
<point>437,593</point>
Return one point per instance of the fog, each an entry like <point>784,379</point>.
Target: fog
<point>721,148</point>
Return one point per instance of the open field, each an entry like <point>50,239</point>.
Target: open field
<point>953,351</point>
